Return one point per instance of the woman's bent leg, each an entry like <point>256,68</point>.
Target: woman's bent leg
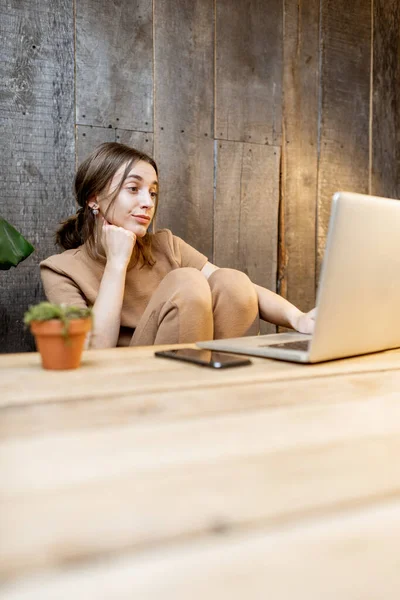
<point>235,304</point>
<point>180,311</point>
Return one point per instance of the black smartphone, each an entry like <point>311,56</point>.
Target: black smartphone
<point>206,358</point>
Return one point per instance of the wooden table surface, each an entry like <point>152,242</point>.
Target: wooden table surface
<point>139,477</point>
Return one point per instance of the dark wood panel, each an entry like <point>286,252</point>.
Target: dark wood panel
<point>183,144</point>
<point>385,175</point>
<point>227,208</point>
<point>114,63</point>
<point>37,160</point>
<point>246,211</point>
<point>345,98</point>
<point>89,137</point>
<point>296,279</point>
<point>143,141</point>
<point>249,71</point>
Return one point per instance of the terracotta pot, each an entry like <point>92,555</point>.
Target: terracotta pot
<point>57,351</point>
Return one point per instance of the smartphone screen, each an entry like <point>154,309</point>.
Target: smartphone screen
<point>206,358</point>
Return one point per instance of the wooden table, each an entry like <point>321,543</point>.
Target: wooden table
<point>142,478</point>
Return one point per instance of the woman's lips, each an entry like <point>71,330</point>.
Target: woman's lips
<point>142,218</point>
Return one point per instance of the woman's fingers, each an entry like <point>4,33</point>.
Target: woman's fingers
<point>306,322</point>
<point>118,243</point>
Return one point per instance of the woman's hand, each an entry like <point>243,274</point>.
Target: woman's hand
<point>118,244</point>
<point>305,322</point>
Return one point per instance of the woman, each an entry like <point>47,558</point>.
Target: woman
<point>147,288</point>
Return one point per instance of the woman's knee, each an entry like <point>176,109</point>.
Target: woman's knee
<point>235,285</point>
<point>190,286</point>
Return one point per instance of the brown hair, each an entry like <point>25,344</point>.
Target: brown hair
<point>93,176</point>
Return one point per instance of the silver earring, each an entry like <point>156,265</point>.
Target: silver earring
<point>95,211</point>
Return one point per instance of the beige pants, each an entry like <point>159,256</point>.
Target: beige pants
<point>186,307</point>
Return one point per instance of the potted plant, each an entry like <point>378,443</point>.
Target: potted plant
<point>60,333</point>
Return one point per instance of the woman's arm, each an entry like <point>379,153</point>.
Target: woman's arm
<point>279,311</point>
<point>274,308</point>
<point>118,244</point>
<point>107,308</point>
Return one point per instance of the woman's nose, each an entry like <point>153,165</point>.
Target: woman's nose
<point>147,200</point>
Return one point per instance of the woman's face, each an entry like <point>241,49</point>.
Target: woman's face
<point>133,209</point>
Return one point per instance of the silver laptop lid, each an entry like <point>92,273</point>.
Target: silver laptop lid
<point>359,290</point>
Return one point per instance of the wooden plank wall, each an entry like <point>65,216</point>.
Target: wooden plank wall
<point>183,111</point>
<point>248,138</point>
<point>385,133</point>
<point>114,74</point>
<point>345,105</point>
<point>255,114</point>
<point>296,276</point>
<point>38,148</point>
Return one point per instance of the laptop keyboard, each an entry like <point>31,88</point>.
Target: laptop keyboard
<point>302,345</point>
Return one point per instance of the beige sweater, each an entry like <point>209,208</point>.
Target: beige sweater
<point>74,278</point>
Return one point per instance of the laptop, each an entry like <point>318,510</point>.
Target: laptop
<point>358,300</point>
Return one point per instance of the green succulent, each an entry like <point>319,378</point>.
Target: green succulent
<point>44,311</point>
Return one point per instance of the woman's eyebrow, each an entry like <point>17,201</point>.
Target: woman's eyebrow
<point>132,175</point>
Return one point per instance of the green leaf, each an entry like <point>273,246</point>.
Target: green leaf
<point>14,248</point>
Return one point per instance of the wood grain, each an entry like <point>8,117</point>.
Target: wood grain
<point>285,469</point>
<point>124,512</point>
<point>141,140</point>
<point>80,457</point>
<point>249,71</point>
<point>170,457</point>
<point>350,555</point>
<point>37,159</point>
<point>114,64</point>
<point>345,96</point>
<point>385,159</point>
<point>246,211</point>
<point>296,279</point>
<point>65,415</point>
<point>24,382</point>
<point>89,137</point>
<point>183,144</point>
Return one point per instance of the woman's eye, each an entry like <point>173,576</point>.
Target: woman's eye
<point>154,194</point>
<point>133,188</point>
